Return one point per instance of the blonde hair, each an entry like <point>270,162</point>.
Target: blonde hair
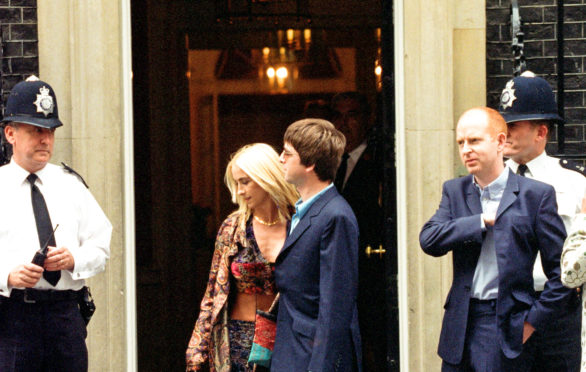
<point>261,163</point>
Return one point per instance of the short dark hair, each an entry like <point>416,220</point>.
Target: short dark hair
<point>318,143</point>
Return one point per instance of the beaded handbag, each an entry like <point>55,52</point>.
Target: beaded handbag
<point>265,330</point>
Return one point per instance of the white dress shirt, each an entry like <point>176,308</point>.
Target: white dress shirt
<point>83,228</point>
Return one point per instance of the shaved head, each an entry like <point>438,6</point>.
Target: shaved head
<point>481,134</point>
<point>496,123</point>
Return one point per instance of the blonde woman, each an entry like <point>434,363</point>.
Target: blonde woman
<point>242,272</point>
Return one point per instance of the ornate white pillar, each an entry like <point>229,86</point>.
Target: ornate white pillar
<point>440,64</point>
<point>81,55</point>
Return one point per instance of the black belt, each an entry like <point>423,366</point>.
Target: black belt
<point>32,296</point>
<point>477,301</point>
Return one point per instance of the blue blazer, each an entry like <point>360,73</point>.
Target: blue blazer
<point>526,222</point>
<point>317,275</point>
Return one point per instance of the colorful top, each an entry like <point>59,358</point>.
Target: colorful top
<point>210,339</point>
<point>251,272</point>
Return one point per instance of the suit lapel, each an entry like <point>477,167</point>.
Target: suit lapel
<point>305,222</point>
<point>356,176</point>
<point>473,197</point>
<point>353,175</point>
<point>509,195</point>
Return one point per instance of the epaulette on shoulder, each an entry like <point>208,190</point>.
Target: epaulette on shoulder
<point>573,165</point>
<point>72,171</point>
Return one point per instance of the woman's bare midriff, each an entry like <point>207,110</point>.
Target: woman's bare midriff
<point>245,305</point>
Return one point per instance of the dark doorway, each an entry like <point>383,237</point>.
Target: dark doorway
<point>185,130</point>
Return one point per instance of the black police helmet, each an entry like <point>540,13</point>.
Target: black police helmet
<point>528,97</point>
<point>32,102</point>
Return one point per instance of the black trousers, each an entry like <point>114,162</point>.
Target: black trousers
<point>42,336</point>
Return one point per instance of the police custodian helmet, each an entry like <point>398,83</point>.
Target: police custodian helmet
<point>528,97</point>
<point>32,102</point>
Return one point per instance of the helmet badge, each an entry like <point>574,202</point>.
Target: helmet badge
<point>508,95</point>
<point>44,101</point>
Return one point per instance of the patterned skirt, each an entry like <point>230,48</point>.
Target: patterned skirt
<point>241,333</point>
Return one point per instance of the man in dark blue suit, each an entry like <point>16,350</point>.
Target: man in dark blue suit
<point>494,223</point>
<point>317,269</point>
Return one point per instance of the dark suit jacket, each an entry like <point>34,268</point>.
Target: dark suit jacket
<point>362,191</point>
<point>317,275</point>
<point>527,222</point>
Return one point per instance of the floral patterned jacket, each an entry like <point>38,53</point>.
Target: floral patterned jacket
<point>573,263</point>
<point>209,340</point>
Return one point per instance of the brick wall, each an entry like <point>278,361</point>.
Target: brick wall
<point>20,52</point>
<point>539,19</point>
<point>18,23</point>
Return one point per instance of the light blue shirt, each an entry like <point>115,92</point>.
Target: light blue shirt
<point>301,207</point>
<point>485,284</point>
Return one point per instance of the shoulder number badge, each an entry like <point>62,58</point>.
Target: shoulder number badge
<point>44,101</point>
<point>508,95</point>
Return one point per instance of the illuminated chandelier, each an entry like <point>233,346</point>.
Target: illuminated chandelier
<point>294,54</point>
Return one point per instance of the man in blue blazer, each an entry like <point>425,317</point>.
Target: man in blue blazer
<point>494,223</point>
<point>317,269</point>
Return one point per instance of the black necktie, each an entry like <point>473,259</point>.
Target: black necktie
<point>44,226</point>
<point>341,174</point>
<point>522,169</point>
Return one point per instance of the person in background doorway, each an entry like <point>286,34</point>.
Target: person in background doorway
<point>359,181</point>
<point>242,272</point>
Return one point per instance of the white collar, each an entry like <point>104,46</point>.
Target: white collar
<point>536,166</point>
<point>357,152</point>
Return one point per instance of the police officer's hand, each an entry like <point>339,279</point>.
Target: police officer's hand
<point>584,205</point>
<point>59,259</point>
<point>25,276</point>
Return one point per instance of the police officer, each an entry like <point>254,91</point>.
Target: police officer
<point>41,328</point>
<point>529,108</point>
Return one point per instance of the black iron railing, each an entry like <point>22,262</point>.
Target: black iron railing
<point>517,46</point>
